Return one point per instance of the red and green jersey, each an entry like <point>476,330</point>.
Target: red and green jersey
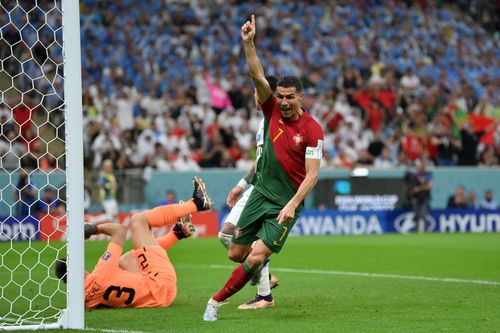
<point>287,144</point>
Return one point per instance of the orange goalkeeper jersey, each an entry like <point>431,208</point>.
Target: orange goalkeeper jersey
<point>110,286</point>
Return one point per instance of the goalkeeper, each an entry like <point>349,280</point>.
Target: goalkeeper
<point>143,277</point>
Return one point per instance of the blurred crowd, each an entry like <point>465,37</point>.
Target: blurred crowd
<point>165,85</point>
<point>460,199</point>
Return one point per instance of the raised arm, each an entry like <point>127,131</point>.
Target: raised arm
<point>254,65</point>
<point>118,232</point>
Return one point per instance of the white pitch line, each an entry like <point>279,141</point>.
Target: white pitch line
<point>32,322</point>
<point>24,321</point>
<point>372,275</point>
<point>110,330</point>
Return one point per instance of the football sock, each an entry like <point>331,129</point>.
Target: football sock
<point>239,277</point>
<point>167,240</point>
<point>225,239</point>
<point>250,270</point>
<point>263,286</point>
<point>168,214</point>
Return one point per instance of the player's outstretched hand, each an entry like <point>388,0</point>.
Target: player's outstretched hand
<point>248,30</point>
<point>233,196</point>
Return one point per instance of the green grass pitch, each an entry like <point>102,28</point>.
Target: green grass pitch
<point>329,284</point>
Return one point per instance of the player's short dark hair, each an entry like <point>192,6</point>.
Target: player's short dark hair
<point>290,81</point>
<point>273,82</point>
<point>61,269</point>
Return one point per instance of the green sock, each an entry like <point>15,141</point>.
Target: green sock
<point>249,270</point>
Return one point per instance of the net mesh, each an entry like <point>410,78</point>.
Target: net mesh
<point>32,162</point>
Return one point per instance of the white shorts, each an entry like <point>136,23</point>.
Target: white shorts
<point>110,208</point>
<point>235,213</point>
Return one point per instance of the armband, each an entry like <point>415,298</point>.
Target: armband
<point>243,184</point>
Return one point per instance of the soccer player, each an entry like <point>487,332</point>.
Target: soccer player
<point>265,282</point>
<point>288,170</point>
<point>107,191</point>
<point>143,277</point>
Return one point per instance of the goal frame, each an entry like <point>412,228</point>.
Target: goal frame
<point>73,317</point>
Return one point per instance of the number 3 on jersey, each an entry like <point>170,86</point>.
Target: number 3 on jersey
<point>119,292</point>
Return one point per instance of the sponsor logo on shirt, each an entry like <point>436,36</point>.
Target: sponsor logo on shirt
<point>106,256</point>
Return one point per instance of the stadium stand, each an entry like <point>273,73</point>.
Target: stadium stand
<point>165,86</point>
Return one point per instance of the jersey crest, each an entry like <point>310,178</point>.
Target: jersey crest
<point>297,139</point>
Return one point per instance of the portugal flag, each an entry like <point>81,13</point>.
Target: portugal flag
<point>483,124</point>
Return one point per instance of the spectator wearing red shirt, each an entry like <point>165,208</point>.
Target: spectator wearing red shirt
<point>332,119</point>
<point>387,98</point>
<point>22,116</point>
<point>363,98</point>
<point>375,116</point>
<point>411,143</point>
<point>234,150</point>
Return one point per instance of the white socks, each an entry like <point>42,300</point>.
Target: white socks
<point>263,287</point>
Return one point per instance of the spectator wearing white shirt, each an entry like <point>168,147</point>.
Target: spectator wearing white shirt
<point>244,162</point>
<point>409,81</point>
<point>11,151</point>
<point>105,145</point>
<point>384,160</point>
<point>346,132</point>
<point>255,119</point>
<point>350,150</point>
<point>152,104</point>
<point>124,109</point>
<point>146,143</point>
<point>488,202</point>
<point>184,162</point>
<point>161,158</point>
<point>230,118</point>
<point>245,136</point>
<point>342,105</point>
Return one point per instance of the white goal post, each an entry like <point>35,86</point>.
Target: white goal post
<point>41,165</point>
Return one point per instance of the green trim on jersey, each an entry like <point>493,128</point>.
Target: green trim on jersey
<point>271,180</point>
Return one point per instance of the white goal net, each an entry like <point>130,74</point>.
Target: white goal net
<point>40,108</point>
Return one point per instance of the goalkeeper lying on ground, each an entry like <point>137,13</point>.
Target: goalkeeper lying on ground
<point>143,277</point>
